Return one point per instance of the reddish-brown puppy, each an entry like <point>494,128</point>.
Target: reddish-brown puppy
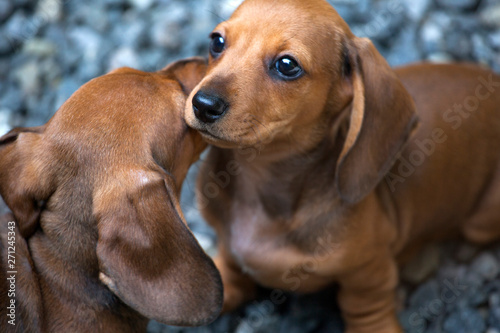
<point>308,120</point>
<point>100,241</point>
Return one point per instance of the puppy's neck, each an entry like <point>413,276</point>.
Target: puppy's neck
<point>283,162</point>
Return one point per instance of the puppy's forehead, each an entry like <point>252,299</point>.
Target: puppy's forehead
<point>301,27</point>
<point>288,14</point>
<point>284,7</point>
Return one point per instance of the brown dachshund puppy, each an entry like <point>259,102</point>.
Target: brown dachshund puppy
<point>320,173</point>
<point>98,242</point>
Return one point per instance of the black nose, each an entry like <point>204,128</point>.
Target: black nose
<point>208,108</point>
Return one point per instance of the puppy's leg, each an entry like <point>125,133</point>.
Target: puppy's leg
<point>238,286</point>
<point>484,225</point>
<point>367,297</point>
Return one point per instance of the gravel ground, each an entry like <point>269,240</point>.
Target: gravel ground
<point>48,48</point>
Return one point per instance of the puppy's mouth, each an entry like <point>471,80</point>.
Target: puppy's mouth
<point>217,139</point>
<point>218,134</point>
<point>209,135</point>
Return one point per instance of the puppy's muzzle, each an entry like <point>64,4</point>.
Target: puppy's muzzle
<point>208,107</point>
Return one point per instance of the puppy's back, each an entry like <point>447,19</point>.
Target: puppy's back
<point>452,160</point>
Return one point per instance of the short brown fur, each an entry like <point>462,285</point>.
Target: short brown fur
<point>319,194</point>
<point>101,243</point>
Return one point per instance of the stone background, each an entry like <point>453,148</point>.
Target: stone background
<point>48,48</point>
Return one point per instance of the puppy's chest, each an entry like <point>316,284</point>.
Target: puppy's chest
<point>278,235</point>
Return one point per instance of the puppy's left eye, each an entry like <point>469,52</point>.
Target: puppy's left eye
<point>288,68</point>
<point>217,45</point>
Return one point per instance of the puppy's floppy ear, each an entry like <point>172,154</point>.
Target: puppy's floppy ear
<point>151,261</point>
<point>382,118</point>
<point>188,72</point>
<point>28,297</point>
<point>21,183</point>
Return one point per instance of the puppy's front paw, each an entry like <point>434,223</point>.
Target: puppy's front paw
<point>238,287</point>
<point>234,297</point>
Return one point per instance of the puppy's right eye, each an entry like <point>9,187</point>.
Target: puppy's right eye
<point>287,68</point>
<point>217,45</point>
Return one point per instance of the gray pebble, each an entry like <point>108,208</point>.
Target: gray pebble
<point>486,265</point>
<point>464,321</point>
<point>458,4</point>
<point>123,57</point>
<point>417,9</point>
<point>433,30</point>
<point>424,294</point>
<point>28,78</point>
<point>458,44</point>
<point>491,16</point>
<point>5,115</point>
<point>142,4</point>
<point>67,87</point>
<point>39,47</point>
<point>494,39</point>
<point>6,8</point>
<point>11,98</point>
<point>87,41</point>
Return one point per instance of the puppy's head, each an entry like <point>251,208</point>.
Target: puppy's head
<point>101,180</point>
<point>290,71</point>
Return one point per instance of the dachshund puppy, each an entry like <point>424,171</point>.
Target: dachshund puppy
<point>319,172</point>
<point>97,241</point>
